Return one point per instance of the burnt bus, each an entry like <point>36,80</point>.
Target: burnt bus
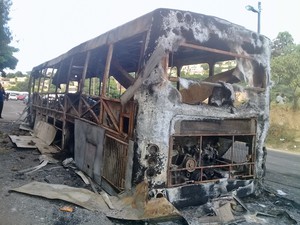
<point>158,101</point>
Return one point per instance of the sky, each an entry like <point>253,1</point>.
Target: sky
<point>45,29</point>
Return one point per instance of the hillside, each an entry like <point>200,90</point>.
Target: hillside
<point>284,132</point>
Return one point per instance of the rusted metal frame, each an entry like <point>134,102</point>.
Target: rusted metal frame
<point>100,85</point>
<point>81,86</point>
<point>113,185</point>
<point>231,156</point>
<point>49,85</point>
<point>207,135</point>
<point>111,99</point>
<point>90,85</point>
<point>113,132</point>
<point>118,181</point>
<point>70,105</point>
<point>199,47</point>
<point>56,92</point>
<point>254,152</point>
<point>60,105</point>
<point>122,70</point>
<point>178,76</point>
<point>53,110</point>
<point>121,119</point>
<point>122,166</point>
<point>201,170</point>
<point>230,165</point>
<point>110,114</point>
<point>39,100</point>
<point>39,83</point>
<point>202,182</point>
<point>165,64</point>
<point>56,87</point>
<point>30,98</point>
<point>169,172</point>
<point>33,84</point>
<point>120,90</point>
<point>207,167</point>
<point>69,75</point>
<point>129,116</point>
<point>105,78</point>
<point>142,52</point>
<point>107,69</point>
<point>65,106</point>
<point>50,79</point>
<point>115,138</point>
<point>213,84</point>
<point>152,62</point>
<point>211,68</point>
<point>44,77</point>
<point>108,84</point>
<point>131,119</point>
<point>213,166</point>
<point>89,110</point>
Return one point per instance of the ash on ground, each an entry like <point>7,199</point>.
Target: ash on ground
<point>15,208</point>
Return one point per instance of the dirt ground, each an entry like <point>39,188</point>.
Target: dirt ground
<point>16,208</point>
<point>19,209</point>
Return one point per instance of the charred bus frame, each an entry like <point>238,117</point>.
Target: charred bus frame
<point>158,127</point>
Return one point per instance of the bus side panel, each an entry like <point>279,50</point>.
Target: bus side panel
<point>88,153</point>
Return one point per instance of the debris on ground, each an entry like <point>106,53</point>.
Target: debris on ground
<point>60,181</point>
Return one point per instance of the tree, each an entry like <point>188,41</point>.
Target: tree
<point>286,71</point>
<point>7,60</point>
<point>282,44</point>
<point>21,86</point>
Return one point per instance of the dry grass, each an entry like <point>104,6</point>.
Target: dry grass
<point>284,132</point>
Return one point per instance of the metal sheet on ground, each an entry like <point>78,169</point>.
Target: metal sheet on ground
<point>45,132</point>
<point>125,208</point>
<point>24,141</point>
<point>78,196</point>
<point>32,142</point>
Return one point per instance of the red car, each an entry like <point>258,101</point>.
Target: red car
<point>21,97</point>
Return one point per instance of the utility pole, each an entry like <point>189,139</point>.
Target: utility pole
<point>258,11</point>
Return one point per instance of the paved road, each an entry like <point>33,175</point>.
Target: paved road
<point>12,110</point>
<point>283,173</point>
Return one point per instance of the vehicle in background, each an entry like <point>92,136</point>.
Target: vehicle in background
<point>13,96</point>
<point>21,97</point>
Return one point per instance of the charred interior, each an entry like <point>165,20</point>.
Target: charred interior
<point>211,157</point>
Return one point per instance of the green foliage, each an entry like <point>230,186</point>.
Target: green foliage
<point>17,74</point>
<point>7,60</point>
<point>195,76</point>
<point>113,90</point>
<point>282,44</point>
<point>285,67</point>
<point>286,72</point>
<point>21,86</point>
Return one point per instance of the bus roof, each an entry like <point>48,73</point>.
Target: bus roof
<point>143,33</point>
